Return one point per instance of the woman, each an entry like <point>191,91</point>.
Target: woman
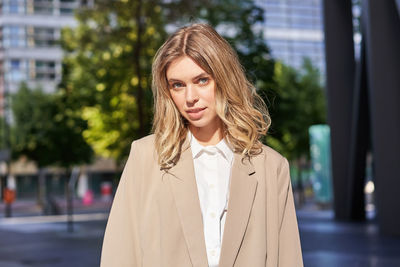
<point>202,190</point>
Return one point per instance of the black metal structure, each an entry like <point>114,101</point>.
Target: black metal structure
<point>364,107</point>
<point>382,27</point>
<point>340,68</point>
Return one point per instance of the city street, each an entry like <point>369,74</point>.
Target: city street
<point>327,243</point>
<point>49,244</point>
<point>44,241</point>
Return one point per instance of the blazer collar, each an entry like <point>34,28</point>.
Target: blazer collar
<point>242,191</point>
<point>184,189</point>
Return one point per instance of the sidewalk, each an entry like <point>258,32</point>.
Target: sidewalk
<point>30,239</point>
<point>44,241</point>
<point>48,244</point>
<point>328,243</point>
<point>29,207</point>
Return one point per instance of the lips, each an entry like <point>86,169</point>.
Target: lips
<point>195,113</point>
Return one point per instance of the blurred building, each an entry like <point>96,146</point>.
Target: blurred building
<point>29,49</point>
<point>294,30</point>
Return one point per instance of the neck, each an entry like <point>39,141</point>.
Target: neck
<point>209,135</point>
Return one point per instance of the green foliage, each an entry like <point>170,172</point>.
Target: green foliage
<point>107,71</point>
<point>3,135</point>
<point>46,130</point>
<point>296,102</point>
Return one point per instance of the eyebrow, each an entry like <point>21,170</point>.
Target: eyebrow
<point>195,78</point>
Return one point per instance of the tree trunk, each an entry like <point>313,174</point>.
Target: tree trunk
<point>41,196</point>
<point>69,199</point>
<point>299,185</point>
<point>72,177</point>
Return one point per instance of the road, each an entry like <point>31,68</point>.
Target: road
<point>44,241</point>
<point>50,244</point>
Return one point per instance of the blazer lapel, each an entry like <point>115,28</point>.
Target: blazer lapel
<point>241,197</point>
<point>184,188</point>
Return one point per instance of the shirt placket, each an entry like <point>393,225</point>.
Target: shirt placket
<point>213,217</point>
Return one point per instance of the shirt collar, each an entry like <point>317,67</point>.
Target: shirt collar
<point>222,146</point>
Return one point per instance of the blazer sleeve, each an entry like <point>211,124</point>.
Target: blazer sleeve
<point>121,244</point>
<point>289,241</point>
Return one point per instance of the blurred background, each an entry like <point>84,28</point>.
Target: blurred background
<point>75,92</point>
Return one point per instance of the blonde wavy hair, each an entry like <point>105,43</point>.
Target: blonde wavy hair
<point>243,113</point>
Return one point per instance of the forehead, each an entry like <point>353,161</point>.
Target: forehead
<point>183,68</point>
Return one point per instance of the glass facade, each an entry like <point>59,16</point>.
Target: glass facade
<point>294,30</point>
<point>29,33</point>
<point>39,7</point>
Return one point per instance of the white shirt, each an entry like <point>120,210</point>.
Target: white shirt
<point>212,168</point>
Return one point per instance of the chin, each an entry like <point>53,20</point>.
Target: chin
<point>203,123</point>
<point>198,124</point>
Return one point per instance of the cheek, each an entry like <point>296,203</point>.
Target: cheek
<point>209,97</point>
<point>178,100</point>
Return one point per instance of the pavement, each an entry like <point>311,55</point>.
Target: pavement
<point>29,207</point>
<point>45,240</point>
<point>31,239</point>
<point>49,244</point>
<point>328,243</point>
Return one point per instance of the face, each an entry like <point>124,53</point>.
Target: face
<point>193,92</point>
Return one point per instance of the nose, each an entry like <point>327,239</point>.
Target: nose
<point>191,94</point>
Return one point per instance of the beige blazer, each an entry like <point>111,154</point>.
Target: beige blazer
<point>156,218</point>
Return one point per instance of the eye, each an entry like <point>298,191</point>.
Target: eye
<point>177,85</point>
<point>203,80</point>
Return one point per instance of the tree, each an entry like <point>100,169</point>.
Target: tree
<point>108,68</point>
<point>46,131</point>
<point>32,112</point>
<point>295,102</point>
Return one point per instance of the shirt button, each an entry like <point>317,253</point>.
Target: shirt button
<point>211,186</point>
<point>212,252</point>
<point>212,214</point>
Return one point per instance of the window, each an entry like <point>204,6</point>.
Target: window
<point>13,6</point>
<point>45,70</point>
<point>67,7</point>
<point>16,72</point>
<point>43,37</point>
<point>14,36</point>
<point>43,6</point>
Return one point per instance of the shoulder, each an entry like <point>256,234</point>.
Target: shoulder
<point>272,153</point>
<point>147,141</point>
<point>273,157</point>
<point>144,147</point>
<point>270,162</point>
<point>276,165</point>
<point>144,144</point>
